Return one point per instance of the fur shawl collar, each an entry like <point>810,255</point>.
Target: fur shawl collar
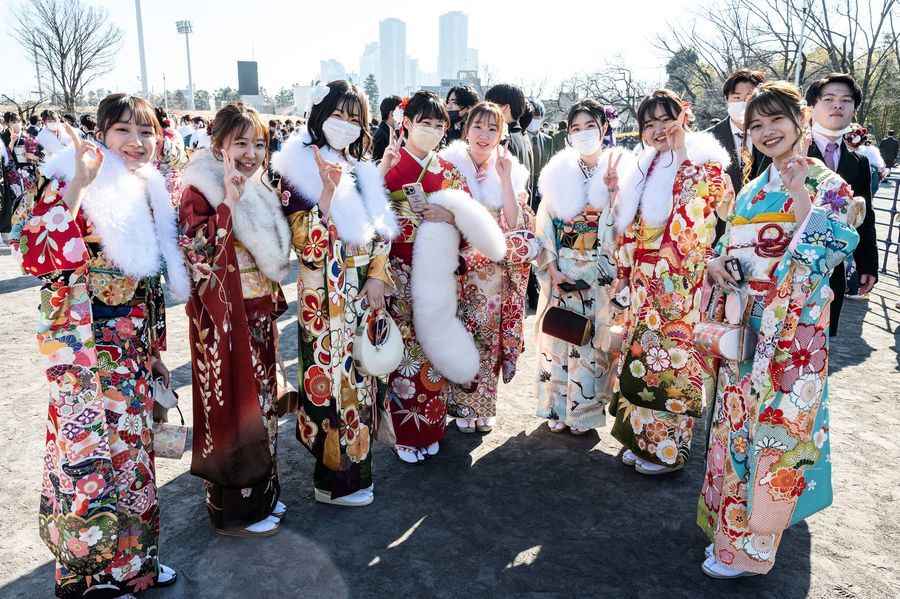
<point>258,221</point>
<point>50,143</point>
<point>490,191</point>
<point>360,208</point>
<point>564,189</point>
<point>137,240</point>
<point>653,195</point>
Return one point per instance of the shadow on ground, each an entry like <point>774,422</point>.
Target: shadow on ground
<point>538,515</point>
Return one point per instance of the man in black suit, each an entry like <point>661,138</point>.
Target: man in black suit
<point>889,148</point>
<point>382,135</point>
<point>729,132</point>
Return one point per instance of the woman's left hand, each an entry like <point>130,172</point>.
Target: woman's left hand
<point>373,291</point>
<point>438,214</point>
<point>159,370</point>
<point>611,178</point>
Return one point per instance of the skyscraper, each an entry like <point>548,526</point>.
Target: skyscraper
<point>453,40</point>
<point>370,63</point>
<point>331,70</point>
<point>392,42</point>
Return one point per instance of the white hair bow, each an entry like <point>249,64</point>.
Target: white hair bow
<point>319,92</point>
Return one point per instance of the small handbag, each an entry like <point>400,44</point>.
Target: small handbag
<point>170,440</point>
<point>568,326</point>
<point>377,346</point>
<point>731,340</point>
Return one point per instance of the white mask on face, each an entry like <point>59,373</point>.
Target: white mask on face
<point>817,128</point>
<point>736,111</point>
<point>339,133</point>
<point>426,138</point>
<point>535,125</point>
<point>587,142</point>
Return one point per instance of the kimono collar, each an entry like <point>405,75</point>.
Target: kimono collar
<point>484,185</point>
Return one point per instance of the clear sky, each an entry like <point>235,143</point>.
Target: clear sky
<point>532,42</point>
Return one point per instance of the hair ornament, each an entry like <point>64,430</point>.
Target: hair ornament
<point>318,93</point>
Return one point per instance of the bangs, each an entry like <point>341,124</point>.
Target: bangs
<point>122,108</point>
<point>766,104</point>
<point>486,116</point>
<point>350,104</point>
<point>430,110</point>
<point>648,110</point>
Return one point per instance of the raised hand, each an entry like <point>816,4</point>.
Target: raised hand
<point>88,158</point>
<point>329,172</point>
<point>234,181</point>
<point>504,164</point>
<point>611,178</point>
<point>391,153</point>
<point>793,175</point>
<point>676,130</point>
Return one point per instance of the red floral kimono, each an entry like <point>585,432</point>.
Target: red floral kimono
<point>232,312</point>
<point>417,394</point>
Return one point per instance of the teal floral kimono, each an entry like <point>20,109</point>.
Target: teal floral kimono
<point>768,461</point>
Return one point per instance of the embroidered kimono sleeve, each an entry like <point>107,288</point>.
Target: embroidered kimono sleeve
<point>203,232</point>
<point>545,232</point>
<point>379,266</point>
<point>52,240</point>
<point>825,239</point>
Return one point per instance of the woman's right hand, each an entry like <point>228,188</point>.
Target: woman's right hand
<point>391,156</point>
<point>234,181</point>
<point>88,159</point>
<point>557,278</point>
<point>719,275</point>
<point>329,173</point>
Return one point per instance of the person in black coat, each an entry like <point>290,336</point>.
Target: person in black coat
<point>834,100</point>
<point>382,136</point>
<point>889,148</point>
<point>729,132</point>
<point>511,100</point>
<point>460,99</point>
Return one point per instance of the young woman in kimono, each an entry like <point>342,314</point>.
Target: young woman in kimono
<point>237,244</point>
<point>667,216</point>
<point>19,170</point>
<point>341,225</point>
<point>575,230</point>
<point>100,234</point>
<point>492,294</point>
<point>768,462</point>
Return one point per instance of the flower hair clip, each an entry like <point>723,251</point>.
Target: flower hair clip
<point>612,116</point>
<point>318,93</point>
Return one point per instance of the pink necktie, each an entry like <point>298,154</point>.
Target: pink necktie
<point>830,150</point>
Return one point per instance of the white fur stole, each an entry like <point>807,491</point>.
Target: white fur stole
<point>490,191</point>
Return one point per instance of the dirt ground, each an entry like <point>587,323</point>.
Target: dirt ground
<point>520,512</point>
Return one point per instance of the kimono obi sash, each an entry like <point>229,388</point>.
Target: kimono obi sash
<point>574,255</point>
<point>760,242</point>
<point>407,219</point>
<point>254,283</point>
<point>581,234</point>
<point>649,237</point>
<point>113,293</point>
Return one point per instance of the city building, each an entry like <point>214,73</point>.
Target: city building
<point>331,70</point>
<point>392,49</point>
<point>370,62</point>
<point>453,43</point>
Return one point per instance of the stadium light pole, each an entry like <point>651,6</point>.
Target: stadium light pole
<point>186,28</point>
<point>799,58</point>
<point>140,31</point>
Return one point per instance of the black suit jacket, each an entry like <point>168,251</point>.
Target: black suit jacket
<point>722,132</point>
<point>855,170</point>
<point>380,140</point>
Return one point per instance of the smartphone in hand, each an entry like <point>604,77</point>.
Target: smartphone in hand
<point>415,194</point>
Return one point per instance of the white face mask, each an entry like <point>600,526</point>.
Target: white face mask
<point>426,138</point>
<point>339,133</point>
<point>817,128</point>
<point>736,111</point>
<point>587,142</point>
<point>535,125</point>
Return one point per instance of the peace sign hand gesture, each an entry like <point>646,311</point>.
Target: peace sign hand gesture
<point>329,172</point>
<point>676,130</point>
<point>391,154</point>
<point>611,178</point>
<point>234,181</point>
<point>88,159</point>
<point>504,164</point>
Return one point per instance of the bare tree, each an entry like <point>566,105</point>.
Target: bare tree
<point>857,37</point>
<point>74,43</point>
<point>615,84</point>
<point>25,108</point>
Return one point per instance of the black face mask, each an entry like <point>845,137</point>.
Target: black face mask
<point>454,116</point>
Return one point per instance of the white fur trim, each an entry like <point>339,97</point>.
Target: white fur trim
<point>653,195</point>
<point>357,216</point>
<point>117,205</point>
<point>564,188</point>
<point>443,336</point>
<point>258,221</point>
<point>873,154</point>
<point>50,143</point>
<point>490,191</point>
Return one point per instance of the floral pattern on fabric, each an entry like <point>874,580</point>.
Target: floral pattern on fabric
<point>661,378</point>
<point>417,394</point>
<point>768,459</point>
<point>99,510</point>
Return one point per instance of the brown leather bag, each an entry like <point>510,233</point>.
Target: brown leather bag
<point>568,326</point>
